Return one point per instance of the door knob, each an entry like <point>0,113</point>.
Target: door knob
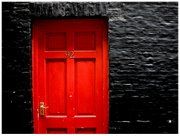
<point>42,107</point>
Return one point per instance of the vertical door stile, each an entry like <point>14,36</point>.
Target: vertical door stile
<point>34,76</point>
<point>41,77</point>
<point>99,79</point>
<point>104,30</point>
<point>70,81</point>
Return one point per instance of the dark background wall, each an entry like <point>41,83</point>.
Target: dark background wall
<point>143,63</point>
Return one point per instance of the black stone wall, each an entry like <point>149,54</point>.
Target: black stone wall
<point>143,62</point>
<point>16,69</point>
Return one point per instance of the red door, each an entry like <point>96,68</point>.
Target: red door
<point>70,76</point>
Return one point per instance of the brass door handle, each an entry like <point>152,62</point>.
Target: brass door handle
<point>42,107</point>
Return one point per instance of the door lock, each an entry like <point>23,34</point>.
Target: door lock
<point>42,107</point>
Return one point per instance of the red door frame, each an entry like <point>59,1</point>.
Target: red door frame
<point>105,95</point>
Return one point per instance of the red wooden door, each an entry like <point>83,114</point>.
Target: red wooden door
<point>70,76</point>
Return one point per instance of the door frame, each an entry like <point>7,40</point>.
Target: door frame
<point>105,82</point>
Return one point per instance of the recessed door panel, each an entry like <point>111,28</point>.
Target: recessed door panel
<point>56,130</point>
<point>56,86</point>
<point>85,41</point>
<point>85,86</point>
<point>85,130</point>
<point>56,41</point>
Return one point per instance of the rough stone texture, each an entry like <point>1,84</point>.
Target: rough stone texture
<point>143,68</point>
<point>16,68</point>
<point>143,62</point>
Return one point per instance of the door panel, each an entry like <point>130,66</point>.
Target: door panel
<point>85,86</point>
<point>70,76</point>
<point>85,41</point>
<point>56,130</point>
<point>56,87</point>
<point>56,41</point>
<point>85,130</point>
